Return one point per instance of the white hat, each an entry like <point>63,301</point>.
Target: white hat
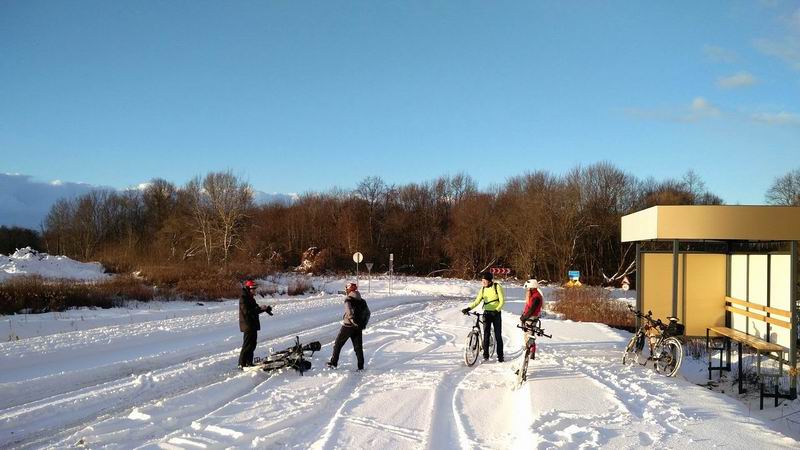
<point>531,284</point>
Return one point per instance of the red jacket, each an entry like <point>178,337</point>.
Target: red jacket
<point>533,304</point>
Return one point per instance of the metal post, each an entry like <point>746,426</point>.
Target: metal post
<point>793,336</point>
<point>639,281</point>
<point>675,248</point>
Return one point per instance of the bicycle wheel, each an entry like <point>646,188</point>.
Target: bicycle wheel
<point>522,372</point>
<point>492,345</point>
<point>670,356</point>
<point>630,351</point>
<point>471,348</point>
<point>273,365</point>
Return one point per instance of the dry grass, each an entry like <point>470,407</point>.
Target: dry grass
<point>591,304</point>
<point>39,295</point>
<point>299,286</point>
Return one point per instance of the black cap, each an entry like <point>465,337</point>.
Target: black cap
<point>487,276</point>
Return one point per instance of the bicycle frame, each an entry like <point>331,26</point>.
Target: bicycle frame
<point>653,331</point>
<point>293,356</point>
<point>532,331</point>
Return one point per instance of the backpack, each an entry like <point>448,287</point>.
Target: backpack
<point>361,313</point>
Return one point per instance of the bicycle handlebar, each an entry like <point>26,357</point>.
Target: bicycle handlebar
<point>536,331</point>
<point>648,317</point>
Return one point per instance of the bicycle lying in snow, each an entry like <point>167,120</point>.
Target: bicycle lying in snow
<point>293,357</point>
<point>474,343</point>
<point>666,350</point>
<point>532,329</point>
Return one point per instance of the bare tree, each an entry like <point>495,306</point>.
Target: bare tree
<point>785,190</point>
<point>230,201</point>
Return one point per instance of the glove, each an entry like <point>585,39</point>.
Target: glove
<point>465,311</point>
<point>268,309</point>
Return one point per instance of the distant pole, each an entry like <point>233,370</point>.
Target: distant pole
<point>369,271</point>
<point>391,271</point>
<point>357,258</point>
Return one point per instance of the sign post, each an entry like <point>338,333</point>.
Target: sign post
<point>391,271</point>
<point>357,258</point>
<point>369,276</point>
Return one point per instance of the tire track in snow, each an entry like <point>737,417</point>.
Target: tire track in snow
<point>33,423</point>
<point>345,411</point>
<point>639,398</point>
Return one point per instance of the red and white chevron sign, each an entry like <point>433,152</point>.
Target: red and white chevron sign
<point>500,270</point>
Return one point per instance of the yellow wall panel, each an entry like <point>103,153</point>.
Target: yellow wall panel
<point>705,292</point>
<point>657,292</point>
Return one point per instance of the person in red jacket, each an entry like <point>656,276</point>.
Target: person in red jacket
<point>533,309</point>
<point>533,301</point>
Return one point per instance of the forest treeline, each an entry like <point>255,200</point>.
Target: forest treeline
<point>538,224</point>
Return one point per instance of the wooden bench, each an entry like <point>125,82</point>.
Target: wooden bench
<point>744,308</point>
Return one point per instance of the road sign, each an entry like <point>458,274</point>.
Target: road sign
<point>500,270</point>
<point>369,266</point>
<point>574,275</point>
<point>626,284</point>
<point>358,257</point>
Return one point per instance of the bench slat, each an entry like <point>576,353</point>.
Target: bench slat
<point>751,341</point>
<point>769,309</point>
<point>776,322</point>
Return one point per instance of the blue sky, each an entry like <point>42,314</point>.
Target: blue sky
<point>305,96</point>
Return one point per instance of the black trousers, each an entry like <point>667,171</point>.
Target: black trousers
<point>493,319</point>
<point>248,347</point>
<point>354,334</point>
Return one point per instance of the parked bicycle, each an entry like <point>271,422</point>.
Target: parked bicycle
<point>474,343</point>
<point>532,329</point>
<point>666,351</point>
<point>293,357</point>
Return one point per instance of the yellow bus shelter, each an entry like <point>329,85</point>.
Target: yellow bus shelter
<point>720,266</point>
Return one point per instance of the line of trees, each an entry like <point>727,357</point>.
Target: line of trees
<point>539,224</point>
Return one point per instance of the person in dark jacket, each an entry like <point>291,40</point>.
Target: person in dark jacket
<point>249,324</point>
<point>351,329</point>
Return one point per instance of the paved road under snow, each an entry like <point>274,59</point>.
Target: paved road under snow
<point>171,384</point>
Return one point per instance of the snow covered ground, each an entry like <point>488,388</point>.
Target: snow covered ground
<point>165,377</point>
<point>27,261</point>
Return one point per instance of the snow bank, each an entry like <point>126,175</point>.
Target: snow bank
<point>27,261</point>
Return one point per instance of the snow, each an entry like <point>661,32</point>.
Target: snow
<point>27,261</point>
<point>165,377</point>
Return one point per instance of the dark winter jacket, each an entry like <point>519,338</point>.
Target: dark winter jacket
<point>248,312</point>
<point>351,302</point>
<point>533,305</point>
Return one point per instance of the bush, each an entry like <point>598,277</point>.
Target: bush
<point>208,287</point>
<point>40,295</point>
<point>592,304</point>
<point>299,286</point>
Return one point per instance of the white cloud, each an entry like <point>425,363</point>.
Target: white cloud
<point>777,118</point>
<point>720,55</point>
<point>25,202</point>
<point>699,109</point>
<point>787,49</point>
<point>741,79</point>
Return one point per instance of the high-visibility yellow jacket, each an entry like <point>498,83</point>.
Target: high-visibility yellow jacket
<point>493,298</point>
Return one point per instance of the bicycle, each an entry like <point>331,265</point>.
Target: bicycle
<point>293,357</point>
<point>474,342</point>
<point>666,350</point>
<point>532,329</point>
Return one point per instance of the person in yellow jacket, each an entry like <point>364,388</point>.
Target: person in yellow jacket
<point>493,298</point>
